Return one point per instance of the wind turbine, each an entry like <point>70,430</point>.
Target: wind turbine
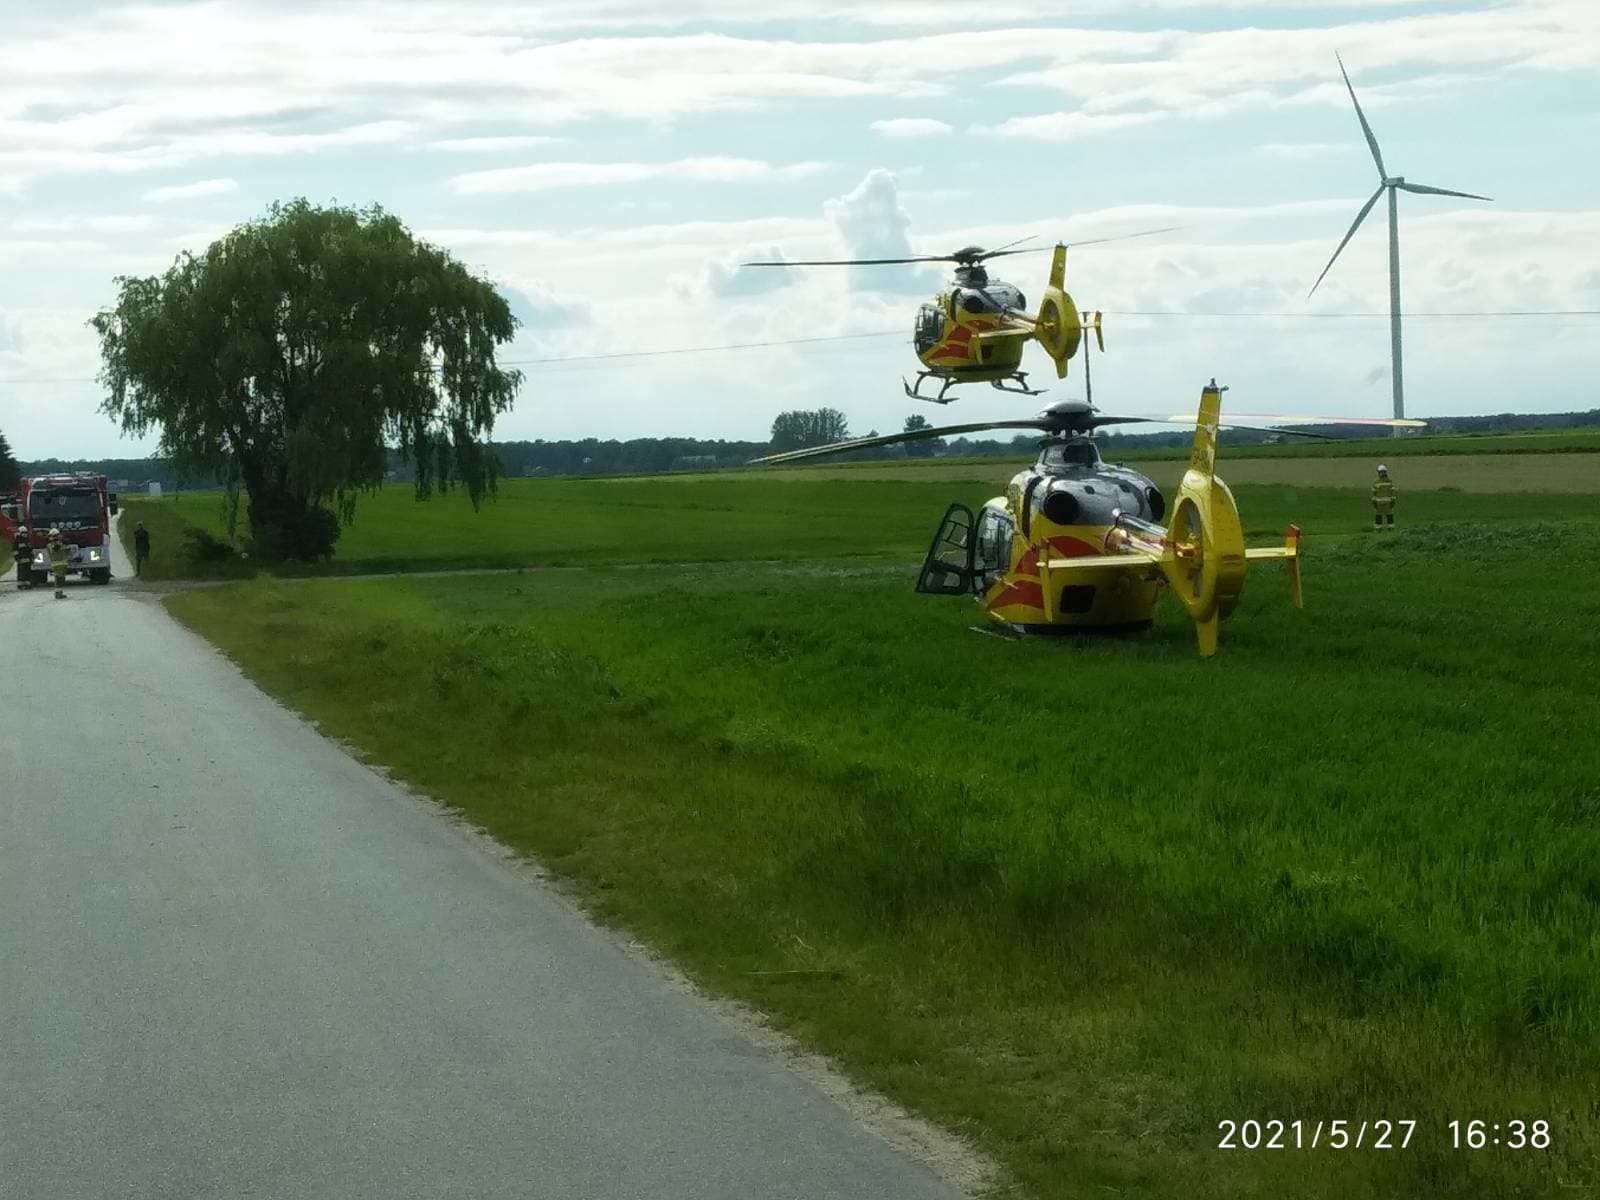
<point>1390,184</point>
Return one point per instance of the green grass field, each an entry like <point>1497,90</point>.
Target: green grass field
<point>1079,899</point>
<point>831,512</point>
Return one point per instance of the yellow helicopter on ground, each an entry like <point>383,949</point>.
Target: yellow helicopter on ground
<point>975,331</point>
<point>1076,543</point>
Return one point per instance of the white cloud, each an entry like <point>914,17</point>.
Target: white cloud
<point>872,224</point>
<point>1069,126</point>
<point>106,223</point>
<point>559,16</point>
<point>542,307</point>
<point>491,145</point>
<point>911,127</point>
<point>1303,149</point>
<point>728,276</point>
<point>31,154</point>
<point>222,79</point>
<point>540,177</point>
<point>199,190</point>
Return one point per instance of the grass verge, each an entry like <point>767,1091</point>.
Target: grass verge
<point>169,524</point>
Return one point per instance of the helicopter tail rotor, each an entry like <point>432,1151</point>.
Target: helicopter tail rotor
<point>1058,326</point>
<point>1201,552</point>
<point>1205,559</point>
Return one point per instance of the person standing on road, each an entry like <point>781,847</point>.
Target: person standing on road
<point>141,548</point>
<point>1383,500</point>
<point>60,553</point>
<point>22,551</point>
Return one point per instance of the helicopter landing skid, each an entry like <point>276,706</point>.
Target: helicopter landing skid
<point>1004,632</point>
<point>1022,388</point>
<point>914,390</point>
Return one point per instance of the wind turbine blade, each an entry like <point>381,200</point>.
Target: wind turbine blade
<point>1354,225</point>
<point>1424,189</point>
<point>1377,157</point>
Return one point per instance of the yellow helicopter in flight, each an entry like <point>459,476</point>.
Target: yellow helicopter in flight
<point>1076,543</point>
<point>974,331</point>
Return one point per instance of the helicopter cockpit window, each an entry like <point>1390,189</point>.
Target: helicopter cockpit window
<point>994,544</point>
<point>1003,296</point>
<point>978,302</point>
<point>930,327</point>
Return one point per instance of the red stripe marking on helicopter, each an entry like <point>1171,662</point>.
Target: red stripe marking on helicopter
<point>1020,591</point>
<point>1063,544</point>
<point>1071,547</point>
<point>957,345</point>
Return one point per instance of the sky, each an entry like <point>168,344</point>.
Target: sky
<point>609,163</point>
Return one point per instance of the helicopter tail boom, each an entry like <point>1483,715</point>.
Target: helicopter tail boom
<point>1201,552</point>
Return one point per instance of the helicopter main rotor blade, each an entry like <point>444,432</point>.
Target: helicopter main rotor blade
<point>1372,141</point>
<point>981,256</point>
<point>851,262</point>
<point>1425,190</point>
<point>890,439</point>
<point>1310,419</point>
<point>1006,248</point>
<point>1354,225</point>
<point>1096,421</point>
<point>1121,237</point>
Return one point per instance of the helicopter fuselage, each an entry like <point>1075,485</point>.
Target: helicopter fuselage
<point>947,327</point>
<point>1069,504</point>
<point>1075,543</point>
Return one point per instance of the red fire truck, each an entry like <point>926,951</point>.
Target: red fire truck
<point>81,508</point>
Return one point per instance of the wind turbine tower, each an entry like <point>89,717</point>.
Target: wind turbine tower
<point>1391,185</point>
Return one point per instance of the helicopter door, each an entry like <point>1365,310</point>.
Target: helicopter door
<point>947,571</point>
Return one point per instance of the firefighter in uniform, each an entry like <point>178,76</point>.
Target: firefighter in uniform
<point>141,548</point>
<point>60,553</point>
<point>1383,500</point>
<point>23,552</point>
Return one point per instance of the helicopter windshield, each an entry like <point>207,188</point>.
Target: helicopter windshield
<point>1007,296</point>
<point>1077,453</point>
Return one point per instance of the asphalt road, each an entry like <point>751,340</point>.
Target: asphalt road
<point>234,962</point>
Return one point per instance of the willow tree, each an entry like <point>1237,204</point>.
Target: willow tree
<point>290,356</point>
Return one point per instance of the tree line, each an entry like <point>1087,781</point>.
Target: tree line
<point>654,456</point>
